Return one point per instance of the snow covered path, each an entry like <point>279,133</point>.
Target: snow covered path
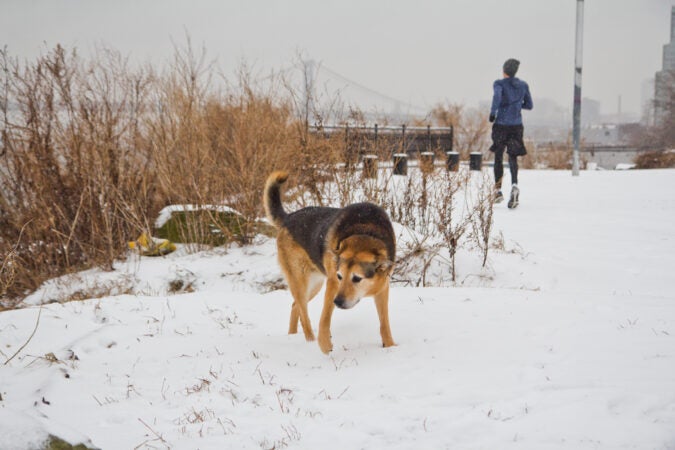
<point>570,344</point>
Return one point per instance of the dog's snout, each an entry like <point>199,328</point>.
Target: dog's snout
<point>344,303</point>
<point>340,302</point>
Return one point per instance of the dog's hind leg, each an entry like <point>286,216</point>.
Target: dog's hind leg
<point>382,304</point>
<point>293,326</point>
<point>301,298</point>
<point>314,283</point>
<point>299,311</point>
<point>297,269</point>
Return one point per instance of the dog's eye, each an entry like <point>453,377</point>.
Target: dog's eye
<point>339,275</point>
<point>356,279</point>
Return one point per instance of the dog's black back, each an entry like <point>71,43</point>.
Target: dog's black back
<point>311,226</point>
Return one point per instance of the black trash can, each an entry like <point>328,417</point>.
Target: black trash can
<point>475,160</point>
<point>452,161</point>
<point>400,164</point>
<point>370,166</point>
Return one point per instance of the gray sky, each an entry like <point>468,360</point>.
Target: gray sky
<point>422,52</point>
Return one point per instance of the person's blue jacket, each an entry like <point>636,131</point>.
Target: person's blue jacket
<point>510,96</point>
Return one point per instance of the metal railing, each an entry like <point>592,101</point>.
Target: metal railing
<point>360,140</point>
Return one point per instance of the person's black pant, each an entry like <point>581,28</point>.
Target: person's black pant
<point>509,138</point>
<point>499,168</point>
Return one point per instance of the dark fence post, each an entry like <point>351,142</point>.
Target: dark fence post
<point>400,164</point>
<point>376,146</point>
<point>452,138</point>
<point>428,138</point>
<point>370,166</point>
<point>452,161</point>
<point>475,160</point>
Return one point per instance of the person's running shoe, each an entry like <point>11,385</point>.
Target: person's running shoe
<point>515,193</point>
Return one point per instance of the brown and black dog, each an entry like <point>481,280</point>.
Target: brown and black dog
<point>353,249</point>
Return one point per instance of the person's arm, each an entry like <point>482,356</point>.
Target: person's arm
<point>527,100</point>
<point>496,100</point>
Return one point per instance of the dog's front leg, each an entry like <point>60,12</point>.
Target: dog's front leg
<point>324,325</point>
<point>382,304</point>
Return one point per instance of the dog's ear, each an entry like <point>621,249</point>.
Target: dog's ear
<point>384,265</point>
<point>335,251</point>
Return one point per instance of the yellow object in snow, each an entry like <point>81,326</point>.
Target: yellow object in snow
<point>150,246</point>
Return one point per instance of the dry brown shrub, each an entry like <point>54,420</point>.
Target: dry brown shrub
<point>216,148</point>
<point>72,149</point>
<point>556,156</point>
<point>655,160</point>
<point>470,127</point>
<point>91,150</point>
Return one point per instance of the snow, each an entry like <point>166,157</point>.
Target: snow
<point>567,340</point>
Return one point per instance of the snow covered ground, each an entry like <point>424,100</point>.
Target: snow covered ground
<point>567,340</point>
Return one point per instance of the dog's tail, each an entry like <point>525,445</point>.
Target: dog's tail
<point>272,198</point>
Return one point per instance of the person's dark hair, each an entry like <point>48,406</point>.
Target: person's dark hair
<point>511,67</point>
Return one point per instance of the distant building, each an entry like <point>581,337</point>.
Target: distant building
<point>664,81</point>
<point>590,112</point>
<point>546,113</point>
<point>647,102</point>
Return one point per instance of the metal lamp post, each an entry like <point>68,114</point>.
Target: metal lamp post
<point>576,124</point>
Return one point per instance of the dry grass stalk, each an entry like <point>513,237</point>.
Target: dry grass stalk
<point>482,217</point>
<point>451,223</point>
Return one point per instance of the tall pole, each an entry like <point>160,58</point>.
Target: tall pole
<point>578,50</point>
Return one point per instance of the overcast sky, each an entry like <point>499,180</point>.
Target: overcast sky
<point>421,52</point>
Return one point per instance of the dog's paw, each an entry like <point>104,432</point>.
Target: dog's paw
<point>309,335</point>
<point>325,345</point>
<point>327,350</point>
<point>388,344</point>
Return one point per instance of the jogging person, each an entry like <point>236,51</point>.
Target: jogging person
<point>511,95</point>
